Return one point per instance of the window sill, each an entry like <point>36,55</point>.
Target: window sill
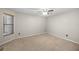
<point>6,34</point>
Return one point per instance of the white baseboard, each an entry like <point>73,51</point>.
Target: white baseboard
<point>63,38</point>
<point>31,35</point>
<point>38,34</point>
<point>6,41</point>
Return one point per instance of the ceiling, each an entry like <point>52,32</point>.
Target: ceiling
<point>38,11</point>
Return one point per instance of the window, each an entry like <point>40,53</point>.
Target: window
<point>8,24</point>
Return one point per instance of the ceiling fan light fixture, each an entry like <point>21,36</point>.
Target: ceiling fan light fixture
<point>45,13</point>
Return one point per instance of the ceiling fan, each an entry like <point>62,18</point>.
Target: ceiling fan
<point>45,11</point>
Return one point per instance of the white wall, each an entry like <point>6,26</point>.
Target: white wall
<point>7,38</point>
<point>65,23</point>
<point>29,25</point>
<point>58,25</point>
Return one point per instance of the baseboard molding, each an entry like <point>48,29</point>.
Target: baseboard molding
<point>19,38</point>
<point>6,42</point>
<point>30,35</point>
<point>63,38</point>
<point>37,34</point>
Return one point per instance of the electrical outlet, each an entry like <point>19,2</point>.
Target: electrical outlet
<point>19,33</point>
<point>67,35</point>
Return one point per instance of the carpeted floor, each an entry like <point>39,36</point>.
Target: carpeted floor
<point>43,42</point>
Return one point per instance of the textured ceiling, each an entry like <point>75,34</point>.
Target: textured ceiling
<point>38,11</point>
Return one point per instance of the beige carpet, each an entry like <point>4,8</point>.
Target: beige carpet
<point>43,42</point>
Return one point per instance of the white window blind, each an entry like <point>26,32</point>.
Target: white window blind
<point>8,24</point>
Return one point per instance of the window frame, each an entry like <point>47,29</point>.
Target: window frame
<point>8,24</point>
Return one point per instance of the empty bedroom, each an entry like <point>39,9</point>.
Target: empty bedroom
<point>39,29</point>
